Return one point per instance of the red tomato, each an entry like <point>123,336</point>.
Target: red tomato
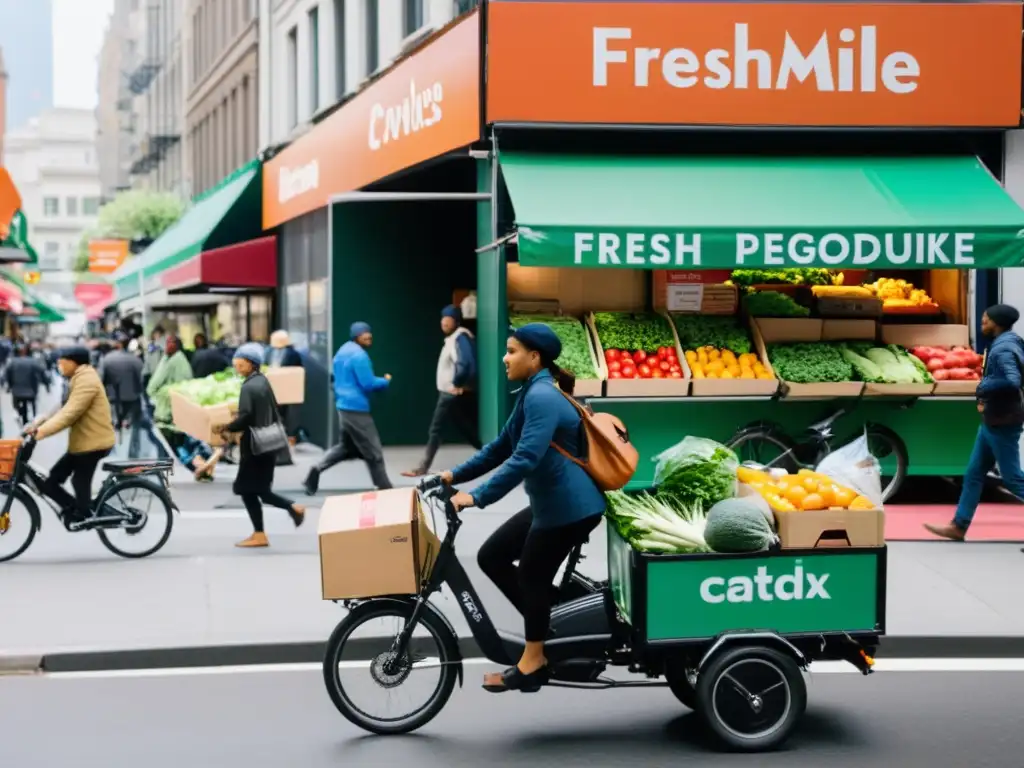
<point>639,356</point>
<point>612,354</point>
<point>665,365</point>
<point>674,368</point>
<point>672,358</point>
<point>629,373</point>
<point>675,374</point>
<point>657,373</point>
<point>615,375</point>
<point>644,370</point>
<point>614,365</point>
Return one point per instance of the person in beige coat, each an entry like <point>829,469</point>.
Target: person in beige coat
<point>86,415</point>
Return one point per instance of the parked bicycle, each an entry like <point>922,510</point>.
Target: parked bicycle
<point>120,523</point>
<point>769,444</point>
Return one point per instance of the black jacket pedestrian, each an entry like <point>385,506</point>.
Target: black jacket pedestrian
<point>24,376</point>
<point>122,376</point>
<point>208,361</point>
<point>256,408</point>
<point>283,357</point>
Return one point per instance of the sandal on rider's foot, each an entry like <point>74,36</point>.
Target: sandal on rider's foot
<point>512,679</point>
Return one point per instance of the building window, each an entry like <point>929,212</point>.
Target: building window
<point>51,206</point>
<point>293,77</point>
<point>248,149</point>
<point>71,206</point>
<point>90,206</point>
<point>339,49</point>
<point>372,35</point>
<point>314,60</point>
<point>413,16</point>
<point>51,249</point>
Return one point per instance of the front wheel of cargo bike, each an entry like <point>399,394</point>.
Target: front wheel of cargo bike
<point>751,697</point>
<point>433,654</point>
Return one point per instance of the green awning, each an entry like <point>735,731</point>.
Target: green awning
<point>227,214</point>
<point>728,212</point>
<point>36,310</point>
<point>16,247</point>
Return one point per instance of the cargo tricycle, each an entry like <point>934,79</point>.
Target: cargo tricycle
<point>729,635</point>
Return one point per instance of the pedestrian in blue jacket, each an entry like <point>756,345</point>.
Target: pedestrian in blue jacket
<point>565,503</point>
<point>354,382</point>
<point>1001,405</point>
<point>456,388</point>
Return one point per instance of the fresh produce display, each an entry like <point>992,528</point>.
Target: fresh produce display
<point>696,471</point>
<point>712,331</point>
<point>575,357</point>
<point>950,363</point>
<point>738,525</point>
<point>803,276</point>
<point>900,294</point>
<point>637,346</point>
<point>773,304</point>
<point>806,490</point>
<point>842,291</point>
<point>809,362</point>
<point>713,363</point>
<point>890,364</point>
<point>219,388</point>
<point>650,524</point>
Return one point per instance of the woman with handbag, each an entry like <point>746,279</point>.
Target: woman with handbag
<point>262,437</point>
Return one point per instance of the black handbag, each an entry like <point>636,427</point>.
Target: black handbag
<point>269,439</point>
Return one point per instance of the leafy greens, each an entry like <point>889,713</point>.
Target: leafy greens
<point>575,357</point>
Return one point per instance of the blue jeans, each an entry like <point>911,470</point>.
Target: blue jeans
<point>994,445</point>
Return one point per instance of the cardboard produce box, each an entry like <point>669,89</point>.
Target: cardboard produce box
<point>592,387</point>
<point>796,329</point>
<point>811,529</point>
<point>934,336</point>
<point>288,383</point>
<point>737,387</point>
<point>202,422</point>
<point>642,387</point>
<point>374,544</point>
<point>584,387</point>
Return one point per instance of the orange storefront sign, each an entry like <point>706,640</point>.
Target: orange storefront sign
<point>10,202</point>
<point>806,64</point>
<point>105,256</point>
<point>426,106</point>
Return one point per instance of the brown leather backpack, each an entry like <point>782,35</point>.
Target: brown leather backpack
<point>608,456</point>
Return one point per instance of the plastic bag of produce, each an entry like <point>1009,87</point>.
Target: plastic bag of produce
<point>855,467</point>
<point>697,470</point>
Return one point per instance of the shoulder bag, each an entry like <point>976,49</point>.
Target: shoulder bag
<point>271,438</point>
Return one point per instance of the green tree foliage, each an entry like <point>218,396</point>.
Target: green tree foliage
<point>136,214</point>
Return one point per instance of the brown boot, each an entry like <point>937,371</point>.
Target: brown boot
<point>952,531</point>
<point>255,541</point>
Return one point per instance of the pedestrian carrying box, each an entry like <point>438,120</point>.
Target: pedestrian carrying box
<point>203,422</point>
<point>668,599</point>
<point>288,383</point>
<point>374,544</point>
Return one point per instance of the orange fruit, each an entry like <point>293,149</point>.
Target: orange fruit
<point>813,501</point>
<point>795,494</point>
<point>810,484</point>
<point>844,497</point>
<point>827,494</point>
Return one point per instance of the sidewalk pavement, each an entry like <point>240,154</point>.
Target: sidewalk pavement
<point>69,606</point>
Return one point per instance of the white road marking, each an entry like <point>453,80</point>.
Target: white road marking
<point>817,668</point>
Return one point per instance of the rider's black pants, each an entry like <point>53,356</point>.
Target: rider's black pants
<point>540,552</point>
<point>80,467</point>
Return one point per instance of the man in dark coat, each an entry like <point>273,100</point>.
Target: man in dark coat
<point>121,372</point>
<point>207,360</point>
<point>23,376</point>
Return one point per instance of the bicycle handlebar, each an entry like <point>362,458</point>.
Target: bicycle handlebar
<point>430,483</point>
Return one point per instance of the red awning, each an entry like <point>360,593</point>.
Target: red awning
<point>11,298</point>
<point>95,311</point>
<point>248,265</point>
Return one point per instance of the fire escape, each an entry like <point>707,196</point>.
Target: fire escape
<point>161,131</point>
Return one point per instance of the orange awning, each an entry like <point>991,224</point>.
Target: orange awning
<point>10,202</point>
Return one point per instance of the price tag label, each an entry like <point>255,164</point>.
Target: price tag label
<point>685,297</point>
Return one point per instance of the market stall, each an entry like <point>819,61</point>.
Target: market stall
<point>773,277</point>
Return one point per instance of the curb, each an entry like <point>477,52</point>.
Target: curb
<point>892,647</point>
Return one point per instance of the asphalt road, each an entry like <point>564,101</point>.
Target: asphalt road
<point>285,718</point>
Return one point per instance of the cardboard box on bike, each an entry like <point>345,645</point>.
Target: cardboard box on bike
<point>201,421</point>
<point>375,543</point>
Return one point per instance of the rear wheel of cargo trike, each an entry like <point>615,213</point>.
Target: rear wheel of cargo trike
<point>680,677</point>
<point>751,697</point>
<point>429,666</point>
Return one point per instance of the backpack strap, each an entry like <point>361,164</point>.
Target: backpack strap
<point>583,411</point>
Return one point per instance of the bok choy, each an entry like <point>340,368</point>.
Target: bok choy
<point>651,524</point>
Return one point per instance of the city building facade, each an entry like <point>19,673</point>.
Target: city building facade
<point>221,103</point>
<point>115,115</point>
<point>53,161</point>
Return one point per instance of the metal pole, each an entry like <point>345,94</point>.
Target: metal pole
<point>142,298</point>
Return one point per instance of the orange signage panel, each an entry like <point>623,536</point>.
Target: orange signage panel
<point>426,106</point>
<point>746,63</point>
<point>10,202</point>
<point>105,256</point>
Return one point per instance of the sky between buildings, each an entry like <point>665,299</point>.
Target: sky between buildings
<point>78,27</point>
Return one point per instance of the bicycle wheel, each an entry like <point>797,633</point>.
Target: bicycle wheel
<point>765,445</point>
<point>433,651</point>
<point>145,509</point>
<point>19,526</point>
<point>886,446</point>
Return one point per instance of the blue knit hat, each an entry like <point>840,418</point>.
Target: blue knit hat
<point>358,329</point>
<point>453,312</point>
<point>539,338</point>
<point>250,351</point>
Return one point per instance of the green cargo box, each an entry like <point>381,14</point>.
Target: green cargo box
<point>693,598</point>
